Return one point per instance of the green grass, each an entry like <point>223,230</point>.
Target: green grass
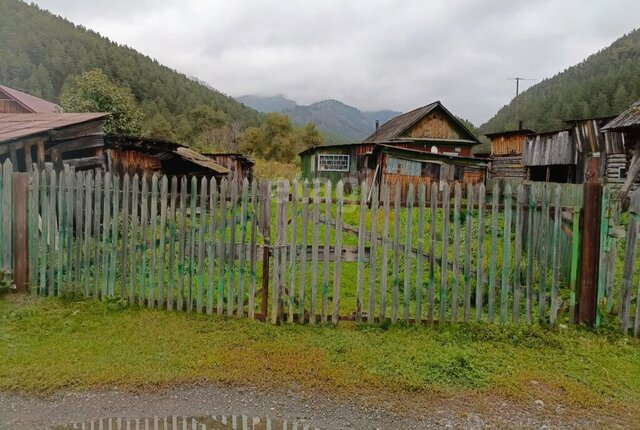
<point>51,344</point>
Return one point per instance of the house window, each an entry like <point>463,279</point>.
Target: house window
<point>333,162</point>
<point>431,171</point>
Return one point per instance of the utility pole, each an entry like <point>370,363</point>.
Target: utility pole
<point>518,79</point>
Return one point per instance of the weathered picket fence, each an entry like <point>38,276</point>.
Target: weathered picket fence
<point>306,252</point>
<point>6,217</point>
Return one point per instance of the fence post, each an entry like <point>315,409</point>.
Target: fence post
<point>590,241</point>
<point>20,234</point>
<point>265,195</point>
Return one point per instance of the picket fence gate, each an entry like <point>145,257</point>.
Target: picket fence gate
<point>439,253</point>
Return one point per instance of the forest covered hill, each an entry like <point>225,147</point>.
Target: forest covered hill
<point>605,83</point>
<point>339,122</point>
<point>40,52</point>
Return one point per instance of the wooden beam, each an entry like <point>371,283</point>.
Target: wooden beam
<point>632,174</point>
<point>27,156</point>
<point>40,154</point>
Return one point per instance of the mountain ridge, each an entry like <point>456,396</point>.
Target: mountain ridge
<point>339,122</point>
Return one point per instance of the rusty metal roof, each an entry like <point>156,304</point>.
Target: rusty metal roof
<point>15,126</point>
<point>31,103</point>
<point>630,118</point>
<point>524,131</point>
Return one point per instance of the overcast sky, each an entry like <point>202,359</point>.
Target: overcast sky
<point>397,54</point>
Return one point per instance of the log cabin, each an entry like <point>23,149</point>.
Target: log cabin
<point>628,123</point>
<point>240,166</point>
<point>421,146</point>
<point>506,153</point>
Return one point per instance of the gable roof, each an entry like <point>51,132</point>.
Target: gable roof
<point>395,127</point>
<point>15,126</point>
<point>630,118</point>
<point>31,103</point>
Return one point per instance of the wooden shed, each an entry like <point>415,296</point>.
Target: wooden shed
<point>506,153</point>
<point>550,156</point>
<point>240,166</point>
<point>628,123</point>
<point>73,139</point>
<point>145,156</point>
<point>409,166</point>
<point>590,140</point>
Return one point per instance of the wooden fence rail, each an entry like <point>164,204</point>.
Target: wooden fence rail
<point>446,254</point>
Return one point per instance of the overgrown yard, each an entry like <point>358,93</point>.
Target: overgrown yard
<point>49,344</point>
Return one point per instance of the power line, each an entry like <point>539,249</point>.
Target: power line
<point>518,79</point>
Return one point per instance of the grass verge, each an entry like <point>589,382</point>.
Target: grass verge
<point>49,344</point>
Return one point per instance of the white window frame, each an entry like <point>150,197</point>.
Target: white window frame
<point>334,159</point>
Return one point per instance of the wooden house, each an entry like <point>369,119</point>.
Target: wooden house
<point>506,153</point>
<point>14,101</point>
<point>240,166</point>
<point>425,145</point>
<point>628,123</point>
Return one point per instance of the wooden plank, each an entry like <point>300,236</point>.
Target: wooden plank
<point>630,255</point>
<point>495,200</point>
<point>133,241</point>
<point>244,210</point>
<point>396,253</point>
<point>171,250</point>
<point>44,241</point>
<point>86,242</point>
<point>506,254</point>
<point>276,293</point>
<point>61,230</point>
<point>314,252</point>
<point>70,200</point>
<point>408,242</point>
<point>34,230</point>
<point>360,264</point>
<point>20,213</point>
<point>144,223</point>
<point>222,234</point>
<point>233,220</point>
<point>517,258</point>
<point>113,245</point>
<point>202,227</point>
<point>555,256</point>
<point>327,244</point>
<point>153,235</point>
<point>162,263</point>
<point>480,258</point>
<point>265,217</point>
<point>432,250</point>
<point>420,253</point>
<point>282,246</point>
<point>211,249</point>
<point>444,269</point>
<point>372,257</point>
<point>126,204</point>
<point>543,233</point>
<point>530,257</point>
<point>575,259</point>
<point>253,249</point>
<point>182,227</point>
<point>338,248</point>
<point>457,191</point>
<point>192,238</point>
<point>467,257</point>
<point>304,243</point>
<point>384,257</point>
<point>106,229</point>
<point>292,251</point>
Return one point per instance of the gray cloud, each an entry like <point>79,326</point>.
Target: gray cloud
<point>370,54</point>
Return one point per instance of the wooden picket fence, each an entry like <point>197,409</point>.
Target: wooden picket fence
<point>438,253</point>
<point>6,218</point>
